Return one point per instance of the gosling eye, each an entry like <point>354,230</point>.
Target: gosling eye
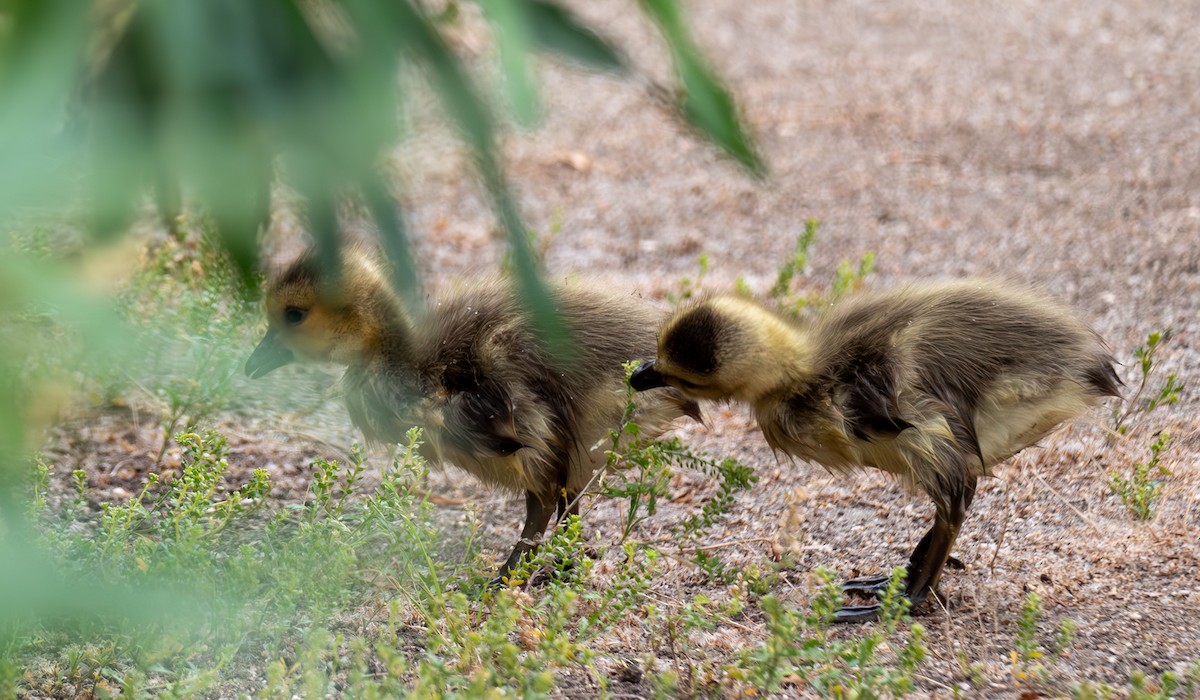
<point>294,315</point>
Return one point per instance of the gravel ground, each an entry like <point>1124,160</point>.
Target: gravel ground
<point>1057,143</point>
<point>1053,142</point>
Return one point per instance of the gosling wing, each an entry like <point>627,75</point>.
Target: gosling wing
<point>481,422</point>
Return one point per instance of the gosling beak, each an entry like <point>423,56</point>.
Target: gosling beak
<point>646,377</point>
<point>269,355</point>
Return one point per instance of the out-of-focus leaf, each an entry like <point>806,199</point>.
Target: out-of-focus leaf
<point>412,32</point>
<point>513,35</point>
<point>548,322</point>
<point>556,29</point>
<point>32,587</point>
<point>41,51</point>
<point>32,286</point>
<point>44,286</point>
<point>469,110</point>
<point>321,208</point>
<point>523,26</point>
<point>707,105</point>
<point>394,237</point>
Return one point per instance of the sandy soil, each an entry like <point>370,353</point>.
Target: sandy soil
<point>1055,142</point>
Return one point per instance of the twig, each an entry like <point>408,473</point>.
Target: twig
<point>949,628</point>
<point>1070,505</point>
<point>720,545</point>
<point>1003,532</point>
<point>939,684</point>
<point>705,547</point>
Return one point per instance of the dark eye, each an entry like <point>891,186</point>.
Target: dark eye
<point>294,315</point>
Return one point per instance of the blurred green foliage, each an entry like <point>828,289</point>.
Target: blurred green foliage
<point>104,102</point>
<point>100,101</point>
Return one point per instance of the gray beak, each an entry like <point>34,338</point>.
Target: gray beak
<point>269,355</point>
<point>646,377</point>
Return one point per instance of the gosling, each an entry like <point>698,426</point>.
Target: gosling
<point>935,384</point>
<point>490,395</point>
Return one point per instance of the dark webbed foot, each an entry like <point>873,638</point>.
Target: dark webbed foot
<point>538,512</point>
<point>866,585</point>
<point>867,613</point>
<point>876,585</point>
<point>516,562</point>
<point>857,613</point>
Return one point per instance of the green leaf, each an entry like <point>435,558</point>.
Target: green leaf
<point>514,37</point>
<point>42,45</point>
<point>556,30</point>
<point>706,104</point>
<point>463,102</point>
<point>412,31</point>
<point>394,236</point>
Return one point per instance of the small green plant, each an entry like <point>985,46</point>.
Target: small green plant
<point>800,647</point>
<point>973,670</point>
<point>688,287</point>
<point>1091,691</point>
<point>330,489</point>
<point>1065,637</point>
<point>1027,653</point>
<point>39,487</point>
<point>1140,489</point>
<point>188,304</point>
<point>798,263</point>
<point>1146,400</point>
<point>1141,687</point>
<point>539,245</point>
<point>640,472</point>
<point>848,277</point>
<point>79,480</point>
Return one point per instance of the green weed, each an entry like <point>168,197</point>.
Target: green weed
<point>786,293</point>
<point>688,287</point>
<point>1146,400</point>
<point>1065,636</point>
<point>1169,686</point>
<point>1140,489</point>
<point>797,264</point>
<point>1027,654</point>
<point>800,650</point>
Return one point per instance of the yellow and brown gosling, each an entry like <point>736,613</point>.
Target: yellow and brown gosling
<point>934,383</point>
<point>491,397</point>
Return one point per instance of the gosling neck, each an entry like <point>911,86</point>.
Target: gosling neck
<point>387,329</point>
<point>782,358</point>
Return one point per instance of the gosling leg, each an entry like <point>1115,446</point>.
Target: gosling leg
<point>875,585</point>
<point>929,556</point>
<point>568,504</point>
<point>936,543</point>
<point>538,511</point>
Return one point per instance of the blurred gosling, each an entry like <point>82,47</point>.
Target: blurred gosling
<point>491,397</point>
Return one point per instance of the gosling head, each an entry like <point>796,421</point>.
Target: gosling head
<point>318,316</point>
<point>725,348</point>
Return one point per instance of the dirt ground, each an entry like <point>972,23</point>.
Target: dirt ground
<point>1052,142</point>
<point>1056,143</point>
